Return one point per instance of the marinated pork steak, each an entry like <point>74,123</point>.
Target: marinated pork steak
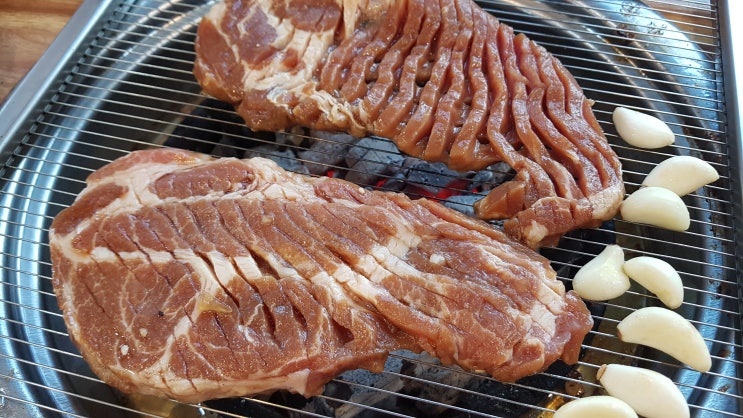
<point>444,80</point>
<point>197,278</point>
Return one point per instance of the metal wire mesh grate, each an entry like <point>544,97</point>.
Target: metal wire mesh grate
<point>130,87</point>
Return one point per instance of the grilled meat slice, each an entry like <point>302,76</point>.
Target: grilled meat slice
<point>444,80</point>
<point>194,278</point>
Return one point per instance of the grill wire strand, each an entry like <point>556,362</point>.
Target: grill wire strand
<point>135,80</point>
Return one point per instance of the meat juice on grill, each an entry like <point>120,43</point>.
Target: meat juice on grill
<point>444,80</point>
<point>195,278</point>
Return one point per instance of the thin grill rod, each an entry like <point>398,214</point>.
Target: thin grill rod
<point>189,81</point>
<point>629,13</point>
<point>597,317</point>
<point>366,407</point>
<point>697,323</point>
<point>141,54</point>
<point>454,407</point>
<point>74,395</point>
<point>199,140</point>
<point>227,123</point>
<point>618,308</point>
<point>480,376</point>
<point>166,29</point>
<point>604,319</point>
<point>579,78</point>
<point>669,255</point>
<point>677,260</point>
<point>43,407</point>
<point>287,408</point>
<point>588,364</point>
<point>24,288</point>
<point>513,19</point>
<point>180,114</point>
<point>676,366</point>
<point>676,244</point>
<point>297,147</point>
<point>36,310</point>
<point>147,13</point>
<point>454,189</point>
<point>649,89</point>
<point>619,40</point>
<point>35,327</point>
<point>47,348</point>
<point>721,295</point>
<point>381,176</point>
<point>711,62</point>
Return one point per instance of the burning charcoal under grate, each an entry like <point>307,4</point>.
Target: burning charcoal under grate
<point>371,161</point>
<point>498,173</point>
<point>371,158</point>
<point>434,180</point>
<point>328,151</point>
<point>432,177</point>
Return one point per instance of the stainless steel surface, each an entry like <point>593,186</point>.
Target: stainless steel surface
<point>119,78</point>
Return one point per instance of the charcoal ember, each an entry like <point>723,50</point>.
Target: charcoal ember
<point>370,158</point>
<point>296,137</point>
<point>431,177</point>
<point>496,174</point>
<point>446,391</point>
<point>328,151</point>
<point>285,158</point>
<point>394,183</point>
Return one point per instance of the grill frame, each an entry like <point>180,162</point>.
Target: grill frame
<point>37,137</point>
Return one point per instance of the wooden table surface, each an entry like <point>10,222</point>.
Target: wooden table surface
<point>27,27</point>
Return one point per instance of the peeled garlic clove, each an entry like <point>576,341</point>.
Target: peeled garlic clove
<point>656,206</point>
<point>641,130</point>
<point>681,174</point>
<point>648,392</point>
<point>658,277</point>
<point>669,332</point>
<point>602,278</point>
<point>596,406</point>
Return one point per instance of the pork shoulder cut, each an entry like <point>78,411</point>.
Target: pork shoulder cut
<point>443,79</point>
<point>196,278</point>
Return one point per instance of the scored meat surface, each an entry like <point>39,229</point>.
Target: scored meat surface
<point>444,80</point>
<point>196,278</point>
